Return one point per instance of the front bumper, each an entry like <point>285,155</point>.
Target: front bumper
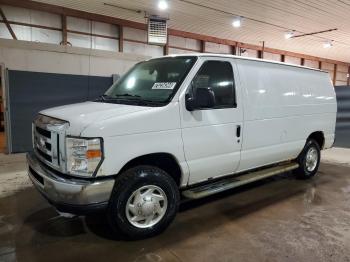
<point>70,195</point>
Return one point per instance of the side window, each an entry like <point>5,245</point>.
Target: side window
<point>218,75</point>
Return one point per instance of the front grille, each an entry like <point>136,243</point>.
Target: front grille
<point>43,132</point>
<point>47,157</point>
<point>43,143</point>
<point>48,146</point>
<point>46,140</point>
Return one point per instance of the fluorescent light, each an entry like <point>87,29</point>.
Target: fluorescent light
<point>162,4</point>
<point>328,44</point>
<point>289,34</point>
<point>237,22</point>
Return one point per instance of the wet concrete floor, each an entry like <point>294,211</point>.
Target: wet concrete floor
<point>279,219</point>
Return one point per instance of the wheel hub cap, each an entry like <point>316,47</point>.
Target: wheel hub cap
<point>146,206</point>
<point>311,159</point>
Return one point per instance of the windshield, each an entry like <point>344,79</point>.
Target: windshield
<point>154,81</point>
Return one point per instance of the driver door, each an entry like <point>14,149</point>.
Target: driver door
<point>212,136</point>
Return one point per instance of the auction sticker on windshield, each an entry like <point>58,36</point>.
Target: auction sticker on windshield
<point>164,85</point>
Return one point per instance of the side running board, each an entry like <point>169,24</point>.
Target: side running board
<point>229,183</point>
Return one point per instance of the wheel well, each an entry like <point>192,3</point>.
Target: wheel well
<point>164,161</point>
<point>318,137</point>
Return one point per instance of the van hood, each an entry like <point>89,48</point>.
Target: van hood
<point>82,115</point>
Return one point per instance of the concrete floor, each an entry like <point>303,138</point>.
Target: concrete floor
<point>278,219</point>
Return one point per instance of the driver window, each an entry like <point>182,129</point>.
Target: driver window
<point>218,75</point>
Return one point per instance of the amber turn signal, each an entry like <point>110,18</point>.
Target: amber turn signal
<point>93,154</point>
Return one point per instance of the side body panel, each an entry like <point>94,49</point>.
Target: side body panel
<point>283,105</point>
<point>209,136</point>
<point>156,130</point>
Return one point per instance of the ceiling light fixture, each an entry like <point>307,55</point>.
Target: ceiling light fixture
<point>328,44</point>
<point>237,22</point>
<point>289,34</point>
<point>163,4</point>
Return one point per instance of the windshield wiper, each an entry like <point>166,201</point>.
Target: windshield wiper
<point>127,95</point>
<point>149,103</point>
<point>102,97</point>
<point>139,100</point>
<point>134,99</point>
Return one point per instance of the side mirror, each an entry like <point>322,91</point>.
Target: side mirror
<point>203,98</point>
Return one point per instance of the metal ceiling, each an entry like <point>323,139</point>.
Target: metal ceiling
<point>302,16</point>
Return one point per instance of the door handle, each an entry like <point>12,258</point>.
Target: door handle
<point>238,131</point>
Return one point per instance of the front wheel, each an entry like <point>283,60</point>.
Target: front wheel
<point>143,203</point>
<point>309,160</point>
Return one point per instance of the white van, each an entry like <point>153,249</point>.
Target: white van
<point>190,125</point>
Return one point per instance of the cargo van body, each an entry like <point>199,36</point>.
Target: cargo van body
<point>224,116</point>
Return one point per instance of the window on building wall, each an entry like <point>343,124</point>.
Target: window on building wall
<point>29,17</point>
<point>92,34</point>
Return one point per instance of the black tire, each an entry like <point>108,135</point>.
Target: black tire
<point>303,172</point>
<point>132,180</point>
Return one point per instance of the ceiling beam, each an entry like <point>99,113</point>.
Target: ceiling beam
<point>7,24</point>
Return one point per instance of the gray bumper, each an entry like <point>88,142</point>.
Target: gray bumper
<point>68,194</point>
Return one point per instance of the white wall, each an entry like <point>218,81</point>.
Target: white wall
<point>139,48</point>
<point>26,33</point>
<point>311,63</point>
<point>272,56</point>
<point>249,53</point>
<point>94,42</point>
<point>49,58</point>
<point>186,43</point>
<point>33,34</point>
<point>292,60</point>
<point>329,68</point>
<point>217,48</point>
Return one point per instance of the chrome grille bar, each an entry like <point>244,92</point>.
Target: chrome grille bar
<point>48,139</point>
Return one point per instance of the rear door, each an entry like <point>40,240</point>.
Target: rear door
<point>212,137</point>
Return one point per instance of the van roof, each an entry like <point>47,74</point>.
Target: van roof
<point>245,58</point>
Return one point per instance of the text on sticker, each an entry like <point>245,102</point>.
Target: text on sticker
<point>164,85</point>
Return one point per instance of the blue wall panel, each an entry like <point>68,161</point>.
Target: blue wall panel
<point>31,92</point>
<point>342,133</point>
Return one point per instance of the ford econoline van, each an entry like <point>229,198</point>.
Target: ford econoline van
<point>184,126</point>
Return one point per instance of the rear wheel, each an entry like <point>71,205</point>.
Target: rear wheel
<point>309,160</point>
<point>144,202</point>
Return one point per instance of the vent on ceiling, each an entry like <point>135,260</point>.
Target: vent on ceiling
<point>157,30</point>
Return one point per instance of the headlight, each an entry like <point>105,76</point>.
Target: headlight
<point>83,155</point>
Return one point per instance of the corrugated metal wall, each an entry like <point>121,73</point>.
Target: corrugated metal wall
<point>342,137</point>
<point>31,92</point>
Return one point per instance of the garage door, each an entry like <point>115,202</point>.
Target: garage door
<point>30,92</point>
<point>342,137</point>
